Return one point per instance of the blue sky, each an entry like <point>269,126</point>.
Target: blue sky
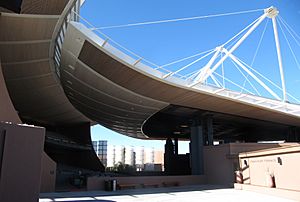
<point>167,42</point>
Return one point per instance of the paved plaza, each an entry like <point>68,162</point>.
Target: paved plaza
<point>172,194</point>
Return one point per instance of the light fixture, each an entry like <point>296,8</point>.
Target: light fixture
<point>184,126</point>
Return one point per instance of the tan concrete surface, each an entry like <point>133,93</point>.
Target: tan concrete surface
<point>172,194</point>
<point>21,150</point>
<point>282,163</point>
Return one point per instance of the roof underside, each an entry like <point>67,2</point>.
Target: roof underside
<point>28,66</point>
<point>97,84</point>
<point>94,78</point>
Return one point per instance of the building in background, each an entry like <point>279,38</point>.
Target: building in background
<point>158,160</point>
<point>100,148</point>
<point>119,154</point>
<point>149,159</point>
<point>111,156</point>
<point>139,158</point>
<point>143,159</point>
<point>129,155</point>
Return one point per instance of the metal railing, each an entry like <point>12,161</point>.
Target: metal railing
<point>136,61</point>
<point>67,15</point>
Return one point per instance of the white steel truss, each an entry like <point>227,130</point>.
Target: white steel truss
<point>198,79</point>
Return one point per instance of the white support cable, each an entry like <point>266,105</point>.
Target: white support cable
<point>233,48</point>
<point>291,96</point>
<point>284,98</point>
<point>259,43</point>
<point>223,72</point>
<point>289,31</point>
<point>240,32</point>
<point>246,78</point>
<point>191,74</point>
<point>191,56</point>
<point>252,75</point>
<point>177,19</point>
<point>206,68</point>
<point>237,85</point>
<point>215,80</point>
<point>195,73</point>
<point>274,84</point>
<point>116,43</point>
<point>186,58</point>
<point>258,47</point>
<point>271,82</point>
<point>290,47</point>
<point>292,30</point>
<point>234,42</point>
<point>234,39</point>
<point>188,65</point>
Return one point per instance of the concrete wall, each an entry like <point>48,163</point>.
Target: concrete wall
<point>97,183</point>
<point>283,163</point>
<point>221,161</point>
<point>48,175</point>
<point>7,110</point>
<point>21,150</point>
<point>218,168</point>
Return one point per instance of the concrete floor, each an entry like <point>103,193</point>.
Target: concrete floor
<point>172,194</point>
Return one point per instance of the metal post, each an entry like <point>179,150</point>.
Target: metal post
<point>210,135</point>
<point>209,64</point>
<point>279,58</point>
<point>261,18</point>
<point>196,148</point>
<point>251,74</point>
<point>176,146</point>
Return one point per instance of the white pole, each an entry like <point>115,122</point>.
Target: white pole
<point>209,64</point>
<point>261,18</point>
<point>251,74</point>
<point>279,58</point>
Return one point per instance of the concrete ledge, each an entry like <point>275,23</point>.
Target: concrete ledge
<point>284,193</point>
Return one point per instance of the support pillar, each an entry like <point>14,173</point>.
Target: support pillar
<point>168,156</point>
<point>176,146</point>
<point>21,149</point>
<point>196,150</point>
<point>210,135</point>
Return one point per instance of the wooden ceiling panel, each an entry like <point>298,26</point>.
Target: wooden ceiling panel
<point>46,7</point>
<point>104,107</point>
<point>101,83</point>
<point>31,83</point>
<point>98,95</point>
<point>146,85</point>
<point>12,53</point>
<point>23,70</point>
<point>26,29</point>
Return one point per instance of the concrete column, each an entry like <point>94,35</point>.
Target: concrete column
<point>196,152</point>
<point>210,135</point>
<point>176,146</point>
<point>168,156</point>
<point>21,149</point>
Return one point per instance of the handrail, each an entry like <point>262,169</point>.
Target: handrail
<point>71,13</point>
<point>59,33</point>
<point>259,101</point>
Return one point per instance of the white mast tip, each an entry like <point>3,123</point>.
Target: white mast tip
<point>271,11</point>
